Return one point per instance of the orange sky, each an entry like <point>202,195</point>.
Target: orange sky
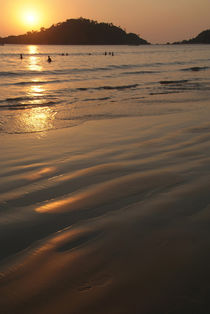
<point>157,21</point>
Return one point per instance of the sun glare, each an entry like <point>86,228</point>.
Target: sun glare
<point>30,18</point>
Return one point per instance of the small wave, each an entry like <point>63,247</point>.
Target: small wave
<point>196,69</point>
<point>181,86</point>
<point>140,65</point>
<point>40,82</point>
<point>96,99</point>
<point>25,73</point>
<point>21,73</point>
<point>165,93</point>
<point>4,73</point>
<point>173,82</point>
<point>23,106</point>
<point>125,66</point>
<point>18,103</point>
<point>140,72</point>
<point>17,99</point>
<point>121,87</point>
<point>26,98</point>
<point>99,116</point>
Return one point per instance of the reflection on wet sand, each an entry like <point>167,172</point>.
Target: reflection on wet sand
<point>36,175</point>
<point>119,228</point>
<point>110,191</point>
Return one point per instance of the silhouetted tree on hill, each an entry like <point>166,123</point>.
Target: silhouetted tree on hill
<point>202,38</point>
<point>78,32</point>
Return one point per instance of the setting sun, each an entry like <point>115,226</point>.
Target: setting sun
<point>30,18</point>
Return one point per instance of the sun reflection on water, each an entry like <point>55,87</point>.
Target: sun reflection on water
<point>36,90</point>
<point>32,49</point>
<point>37,119</point>
<point>37,115</point>
<point>36,94</point>
<point>33,64</point>
<point>34,61</point>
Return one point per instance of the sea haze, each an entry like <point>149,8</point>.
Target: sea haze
<point>105,175</point>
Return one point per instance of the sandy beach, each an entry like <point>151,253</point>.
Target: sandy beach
<point>104,157</point>
<point>110,216</point>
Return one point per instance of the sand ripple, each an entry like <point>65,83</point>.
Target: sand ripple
<point>107,224</point>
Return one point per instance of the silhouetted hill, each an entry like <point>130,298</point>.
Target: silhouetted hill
<point>78,32</point>
<point>202,38</point>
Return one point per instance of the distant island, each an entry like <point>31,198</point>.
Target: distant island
<point>202,38</point>
<point>77,32</point>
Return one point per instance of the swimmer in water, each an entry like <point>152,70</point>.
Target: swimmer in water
<point>49,59</point>
<point>21,56</point>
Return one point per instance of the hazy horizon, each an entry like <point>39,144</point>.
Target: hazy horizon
<point>156,22</point>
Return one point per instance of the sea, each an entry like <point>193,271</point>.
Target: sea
<point>105,179</point>
<point>82,83</point>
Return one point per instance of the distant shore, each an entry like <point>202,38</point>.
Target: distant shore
<point>78,32</point>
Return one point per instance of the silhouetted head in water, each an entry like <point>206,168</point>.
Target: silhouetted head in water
<point>49,59</point>
<point>21,56</point>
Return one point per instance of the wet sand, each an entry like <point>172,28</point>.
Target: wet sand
<point>110,216</point>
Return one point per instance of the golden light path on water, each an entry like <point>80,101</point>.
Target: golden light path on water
<point>40,117</point>
<point>37,119</point>
<point>34,61</point>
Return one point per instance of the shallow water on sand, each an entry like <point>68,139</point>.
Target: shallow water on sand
<point>105,204</point>
<point>86,85</point>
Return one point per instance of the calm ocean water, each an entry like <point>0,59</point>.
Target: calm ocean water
<point>87,85</point>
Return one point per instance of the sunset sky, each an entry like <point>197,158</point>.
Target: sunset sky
<point>157,21</point>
